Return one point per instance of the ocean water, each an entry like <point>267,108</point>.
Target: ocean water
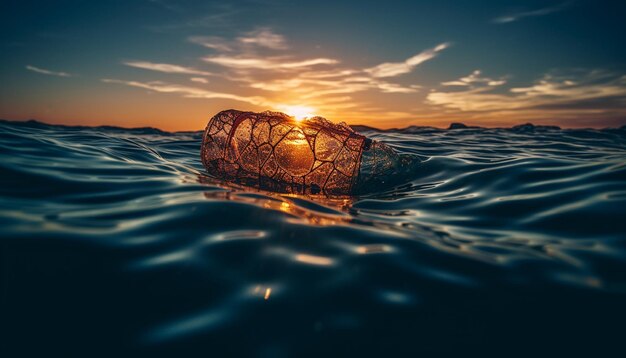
<point>507,241</point>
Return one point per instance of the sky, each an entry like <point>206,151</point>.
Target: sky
<point>174,64</point>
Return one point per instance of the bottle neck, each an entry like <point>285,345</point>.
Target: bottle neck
<point>382,167</point>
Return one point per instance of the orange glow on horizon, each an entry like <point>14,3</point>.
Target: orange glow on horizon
<point>129,108</point>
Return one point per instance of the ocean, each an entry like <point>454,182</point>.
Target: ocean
<point>507,241</point>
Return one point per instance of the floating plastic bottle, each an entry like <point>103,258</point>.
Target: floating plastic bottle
<point>274,151</point>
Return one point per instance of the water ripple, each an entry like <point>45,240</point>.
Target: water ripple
<point>494,219</point>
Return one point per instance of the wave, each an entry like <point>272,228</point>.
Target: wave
<point>121,230</point>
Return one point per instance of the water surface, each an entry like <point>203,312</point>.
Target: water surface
<point>507,241</point>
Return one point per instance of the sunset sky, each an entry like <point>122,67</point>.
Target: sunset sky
<point>173,64</point>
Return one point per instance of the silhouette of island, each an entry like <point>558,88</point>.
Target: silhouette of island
<point>521,128</point>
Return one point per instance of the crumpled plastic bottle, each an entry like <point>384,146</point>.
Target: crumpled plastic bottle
<point>274,151</point>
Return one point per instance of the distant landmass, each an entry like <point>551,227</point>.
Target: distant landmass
<point>38,124</point>
<point>527,127</point>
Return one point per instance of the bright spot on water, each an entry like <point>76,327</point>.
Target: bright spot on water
<point>314,260</point>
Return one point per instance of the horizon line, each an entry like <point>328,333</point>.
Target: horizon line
<point>451,126</point>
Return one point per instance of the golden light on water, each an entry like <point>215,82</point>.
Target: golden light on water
<point>298,112</point>
<point>314,260</point>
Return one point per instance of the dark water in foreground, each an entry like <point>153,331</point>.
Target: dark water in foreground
<point>508,242</point>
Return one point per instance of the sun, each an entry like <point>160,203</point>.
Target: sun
<point>298,112</point>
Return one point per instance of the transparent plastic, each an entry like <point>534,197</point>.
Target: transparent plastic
<point>273,151</point>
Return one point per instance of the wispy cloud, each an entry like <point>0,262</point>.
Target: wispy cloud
<point>261,37</point>
<point>166,68</point>
<point>267,63</point>
<point>329,74</point>
<point>311,87</point>
<point>246,52</point>
<point>595,91</point>
<point>260,61</point>
<point>47,72</point>
<point>395,88</point>
<point>199,79</point>
<point>475,78</point>
<point>189,92</point>
<point>212,42</point>
<point>264,37</point>
<point>313,77</point>
<point>391,69</point>
<point>309,83</point>
<point>539,12</point>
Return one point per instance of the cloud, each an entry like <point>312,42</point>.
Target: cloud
<point>520,15</point>
<point>314,87</point>
<point>328,74</point>
<point>199,79</point>
<point>166,68</point>
<point>188,92</point>
<point>395,88</point>
<point>264,37</point>
<point>473,79</point>
<point>303,77</point>
<point>47,72</point>
<point>259,61</point>
<point>267,63</point>
<point>391,69</point>
<point>595,90</point>
<point>212,42</point>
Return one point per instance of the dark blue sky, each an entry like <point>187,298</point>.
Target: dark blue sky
<point>172,64</point>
